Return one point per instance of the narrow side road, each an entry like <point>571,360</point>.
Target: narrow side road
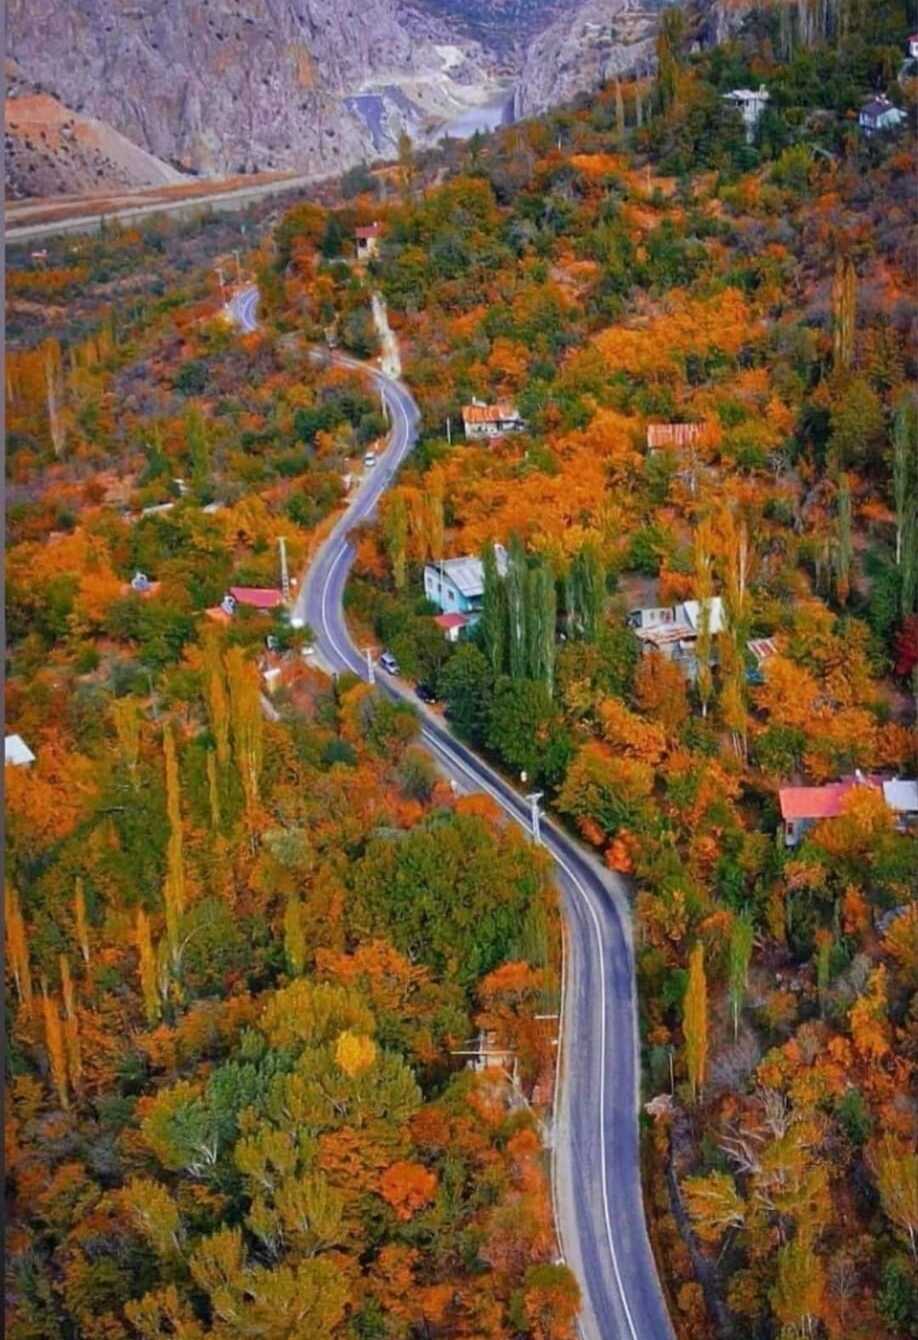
<point>596,1164</point>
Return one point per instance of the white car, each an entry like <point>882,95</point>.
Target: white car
<point>369,459</point>
<point>389,663</point>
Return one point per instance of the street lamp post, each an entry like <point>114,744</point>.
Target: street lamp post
<point>371,668</point>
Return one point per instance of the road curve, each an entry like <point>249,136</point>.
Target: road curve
<point>596,1163</point>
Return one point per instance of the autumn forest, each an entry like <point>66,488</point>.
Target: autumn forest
<point>282,1000</point>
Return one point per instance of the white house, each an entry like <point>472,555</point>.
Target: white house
<point>481,420</point>
<point>17,752</point>
<point>879,114</point>
<point>901,796</point>
<point>751,103</point>
<point>456,586</point>
<point>913,46</point>
<point>674,630</point>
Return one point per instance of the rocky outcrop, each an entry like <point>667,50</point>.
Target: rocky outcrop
<point>605,38</point>
<point>576,53</point>
<point>223,86</point>
<point>51,150</point>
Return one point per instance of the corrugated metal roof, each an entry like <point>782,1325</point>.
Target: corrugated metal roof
<point>16,751</point>
<point>901,795</point>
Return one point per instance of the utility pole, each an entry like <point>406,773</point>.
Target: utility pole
<point>238,265</point>
<point>219,270</point>
<point>383,405</point>
<point>371,668</point>
<point>534,799</point>
<point>285,575</point>
<point>449,430</point>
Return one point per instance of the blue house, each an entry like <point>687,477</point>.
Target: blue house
<point>456,586</point>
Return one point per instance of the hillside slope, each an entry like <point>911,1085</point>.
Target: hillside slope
<point>52,150</point>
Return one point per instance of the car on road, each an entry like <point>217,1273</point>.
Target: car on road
<point>425,693</point>
<point>389,663</point>
<point>369,459</point>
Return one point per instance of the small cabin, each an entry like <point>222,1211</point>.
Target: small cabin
<point>750,103</point>
<point>482,420</point>
<point>879,114</point>
<point>367,240</point>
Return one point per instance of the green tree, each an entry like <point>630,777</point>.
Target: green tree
<point>695,1021</point>
<point>467,683</point>
<point>519,722</point>
<point>738,956</point>
<point>541,617</point>
<point>494,621</point>
<point>517,592</point>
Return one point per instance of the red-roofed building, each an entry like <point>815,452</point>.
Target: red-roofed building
<point>803,806</point>
<point>452,625</point>
<point>368,241</point>
<point>481,420</point>
<point>257,597</point>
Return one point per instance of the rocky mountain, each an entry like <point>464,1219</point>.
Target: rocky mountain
<point>220,86</point>
<point>575,53</point>
<point>595,40</point>
<point>504,27</point>
<point>51,150</point>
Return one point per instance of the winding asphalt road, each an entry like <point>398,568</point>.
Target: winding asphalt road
<point>596,1164</point>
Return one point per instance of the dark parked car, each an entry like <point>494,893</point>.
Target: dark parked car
<point>426,693</point>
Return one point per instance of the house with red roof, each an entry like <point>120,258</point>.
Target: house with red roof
<point>255,597</point>
<point>452,625</point>
<point>482,420</point>
<point>368,241</point>
<point>804,806</point>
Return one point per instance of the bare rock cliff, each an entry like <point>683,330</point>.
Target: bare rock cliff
<point>221,86</point>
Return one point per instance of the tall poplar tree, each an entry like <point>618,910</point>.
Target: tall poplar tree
<point>517,584</point>
<point>494,615</point>
<point>246,718</point>
<point>738,956</point>
<point>174,886</point>
<point>541,615</point>
<point>844,311</point>
<point>695,1021</point>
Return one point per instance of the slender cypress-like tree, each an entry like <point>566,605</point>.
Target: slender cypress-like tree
<point>17,946</point>
<point>217,702</point>
<point>54,1041</point>
<point>587,592</point>
<point>494,618</point>
<point>174,886</point>
<point>738,956</point>
<point>294,935</point>
<point>905,496</point>
<point>695,1021</point>
<point>516,609</point>
<point>843,541</point>
<point>80,920</point>
<point>844,309</point>
<point>147,967</point>
<point>245,713</point>
<point>541,614</point>
<point>71,1024</point>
